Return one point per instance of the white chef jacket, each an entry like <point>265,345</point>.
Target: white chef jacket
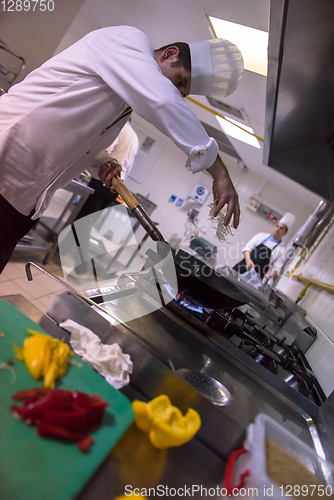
<point>55,122</point>
<point>123,149</point>
<point>277,256</point>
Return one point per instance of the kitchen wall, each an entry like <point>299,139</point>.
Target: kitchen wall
<point>82,24</point>
<point>36,35</point>
<point>168,176</point>
<point>319,305</point>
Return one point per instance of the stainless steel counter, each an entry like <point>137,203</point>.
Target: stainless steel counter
<point>156,342</point>
<point>134,461</point>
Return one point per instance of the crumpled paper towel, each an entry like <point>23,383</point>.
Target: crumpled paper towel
<point>108,360</point>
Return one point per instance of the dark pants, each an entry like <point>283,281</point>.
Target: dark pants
<point>13,226</point>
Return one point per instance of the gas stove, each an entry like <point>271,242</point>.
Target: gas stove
<point>241,328</point>
<point>265,341</point>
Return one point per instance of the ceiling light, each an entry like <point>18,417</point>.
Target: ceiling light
<point>252,43</point>
<point>232,130</point>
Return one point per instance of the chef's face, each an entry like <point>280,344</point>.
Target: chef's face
<point>279,231</point>
<point>178,75</point>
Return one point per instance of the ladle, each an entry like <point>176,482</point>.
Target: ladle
<point>208,386</point>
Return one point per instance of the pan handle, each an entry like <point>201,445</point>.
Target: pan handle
<point>137,209</point>
<point>124,192</point>
<point>82,297</point>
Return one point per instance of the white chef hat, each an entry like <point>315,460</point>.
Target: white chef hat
<point>288,219</point>
<point>216,67</point>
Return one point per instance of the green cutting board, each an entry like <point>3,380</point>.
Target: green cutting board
<point>35,468</point>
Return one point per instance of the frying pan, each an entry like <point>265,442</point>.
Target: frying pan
<point>204,286</point>
<point>197,282</point>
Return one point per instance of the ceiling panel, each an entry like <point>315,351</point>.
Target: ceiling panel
<point>254,13</point>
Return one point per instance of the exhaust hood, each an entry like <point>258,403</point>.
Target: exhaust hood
<point>299,128</point>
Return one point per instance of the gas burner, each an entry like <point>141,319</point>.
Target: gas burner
<point>184,300</point>
<point>258,342</point>
<point>187,304</point>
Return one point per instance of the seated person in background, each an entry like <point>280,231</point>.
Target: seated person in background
<point>265,252</point>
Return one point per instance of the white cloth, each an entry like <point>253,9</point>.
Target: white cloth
<point>277,256</point>
<point>123,149</point>
<point>56,121</point>
<point>108,360</point>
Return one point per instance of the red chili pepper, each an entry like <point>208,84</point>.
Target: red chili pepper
<point>64,428</point>
<point>73,421</point>
<point>85,443</point>
<point>37,392</point>
<point>62,414</point>
<point>32,410</point>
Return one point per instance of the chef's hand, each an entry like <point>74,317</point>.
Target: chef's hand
<point>248,260</point>
<point>224,192</point>
<point>107,172</point>
<point>249,265</point>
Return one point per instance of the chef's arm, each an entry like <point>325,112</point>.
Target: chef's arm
<point>107,172</point>
<point>224,192</point>
<point>276,262</point>
<point>101,159</point>
<point>127,66</point>
<point>248,260</point>
<point>104,168</point>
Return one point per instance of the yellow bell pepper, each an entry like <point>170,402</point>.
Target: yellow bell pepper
<point>44,356</point>
<point>166,425</point>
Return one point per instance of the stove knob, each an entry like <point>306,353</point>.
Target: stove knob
<point>288,363</point>
<point>267,342</point>
<point>272,366</point>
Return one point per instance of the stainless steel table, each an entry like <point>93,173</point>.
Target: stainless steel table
<point>45,235</point>
<point>151,341</point>
<point>134,461</point>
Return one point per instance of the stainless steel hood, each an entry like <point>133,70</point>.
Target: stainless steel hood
<point>299,130</point>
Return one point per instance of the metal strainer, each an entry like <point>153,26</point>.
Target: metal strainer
<point>209,387</point>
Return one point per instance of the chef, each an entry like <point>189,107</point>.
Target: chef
<point>265,252</point>
<point>72,107</point>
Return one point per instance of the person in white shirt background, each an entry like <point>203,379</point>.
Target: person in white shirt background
<point>265,252</point>
<point>55,122</point>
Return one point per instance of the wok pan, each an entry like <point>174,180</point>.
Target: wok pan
<point>197,282</point>
<point>203,286</point>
